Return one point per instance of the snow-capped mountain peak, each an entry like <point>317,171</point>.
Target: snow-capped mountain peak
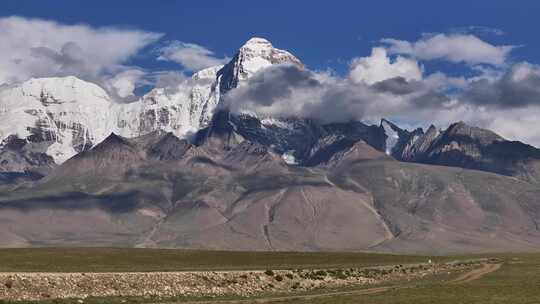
<point>255,55</point>
<point>190,106</point>
<point>62,116</point>
<point>64,89</point>
<point>259,53</point>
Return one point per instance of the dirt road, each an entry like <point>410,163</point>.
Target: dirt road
<point>476,274</point>
<point>298,297</point>
<point>467,277</point>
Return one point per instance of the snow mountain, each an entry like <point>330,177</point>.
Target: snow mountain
<point>174,169</point>
<point>59,116</point>
<point>62,116</point>
<point>45,121</point>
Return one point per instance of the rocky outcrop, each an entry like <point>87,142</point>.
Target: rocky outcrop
<point>470,147</point>
<point>20,157</point>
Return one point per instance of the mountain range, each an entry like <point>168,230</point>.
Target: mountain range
<point>177,169</point>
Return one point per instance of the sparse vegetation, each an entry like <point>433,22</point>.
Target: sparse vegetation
<point>321,273</point>
<point>515,282</point>
<point>120,259</point>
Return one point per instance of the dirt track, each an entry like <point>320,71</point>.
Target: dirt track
<point>467,277</point>
<point>476,274</point>
<point>299,297</point>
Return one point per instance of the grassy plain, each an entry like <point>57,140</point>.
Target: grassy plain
<point>144,260</point>
<point>516,281</point>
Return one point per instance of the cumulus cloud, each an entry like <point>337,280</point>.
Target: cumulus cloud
<point>286,90</point>
<point>518,87</point>
<point>456,48</point>
<point>125,82</point>
<point>508,104</point>
<point>191,56</point>
<point>40,48</point>
<point>389,83</point>
<point>168,79</point>
<point>379,66</point>
<point>513,123</point>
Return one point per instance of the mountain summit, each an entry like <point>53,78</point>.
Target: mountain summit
<point>62,116</point>
<point>255,55</point>
<point>171,170</point>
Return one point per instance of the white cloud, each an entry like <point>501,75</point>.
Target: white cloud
<point>513,124</point>
<point>379,67</point>
<point>478,30</point>
<point>283,91</point>
<point>502,98</point>
<point>452,47</point>
<point>191,56</point>
<point>168,79</point>
<point>124,83</point>
<point>39,48</point>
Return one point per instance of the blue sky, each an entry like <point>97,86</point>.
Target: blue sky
<point>324,34</point>
<point>415,62</point>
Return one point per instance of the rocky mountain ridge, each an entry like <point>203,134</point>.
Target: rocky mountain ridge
<point>227,192</point>
<point>77,169</point>
<point>464,146</point>
<point>61,117</point>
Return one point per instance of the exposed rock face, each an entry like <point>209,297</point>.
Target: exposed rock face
<point>221,134</point>
<point>158,190</point>
<point>131,178</point>
<point>60,117</point>
<point>17,156</point>
<point>469,147</point>
<point>398,140</point>
<point>417,145</point>
<point>299,141</point>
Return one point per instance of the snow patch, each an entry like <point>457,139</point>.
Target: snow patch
<point>392,137</point>
<point>277,123</point>
<point>289,158</point>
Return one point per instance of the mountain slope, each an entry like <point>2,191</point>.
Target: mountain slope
<point>126,174</point>
<point>19,156</point>
<point>470,147</point>
<point>432,209</point>
<point>299,141</point>
<point>245,197</point>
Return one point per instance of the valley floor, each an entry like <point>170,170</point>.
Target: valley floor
<point>107,275</point>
